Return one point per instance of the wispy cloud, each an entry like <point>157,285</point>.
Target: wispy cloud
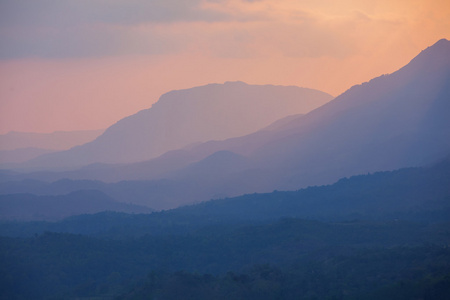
<point>68,28</point>
<point>224,28</point>
<point>64,13</point>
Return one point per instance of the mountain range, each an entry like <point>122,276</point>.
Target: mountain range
<point>391,122</point>
<point>185,117</point>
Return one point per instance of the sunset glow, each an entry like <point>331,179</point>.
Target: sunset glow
<point>86,64</point>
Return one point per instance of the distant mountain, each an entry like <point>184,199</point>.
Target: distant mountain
<point>161,194</point>
<point>21,155</point>
<point>58,140</point>
<point>22,207</point>
<point>167,165</point>
<point>18,147</point>
<point>184,117</point>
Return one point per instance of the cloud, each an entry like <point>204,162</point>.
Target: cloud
<point>97,40</point>
<point>94,28</point>
<point>238,29</point>
<point>64,13</point>
<point>90,28</point>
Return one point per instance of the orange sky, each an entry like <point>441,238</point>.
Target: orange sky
<point>82,64</point>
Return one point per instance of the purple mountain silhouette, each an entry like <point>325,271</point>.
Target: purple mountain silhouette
<point>184,117</point>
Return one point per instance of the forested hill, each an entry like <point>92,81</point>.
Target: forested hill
<point>412,193</point>
<point>418,194</point>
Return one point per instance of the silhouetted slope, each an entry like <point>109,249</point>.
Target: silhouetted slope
<point>180,118</point>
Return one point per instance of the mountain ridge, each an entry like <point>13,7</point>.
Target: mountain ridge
<point>184,117</point>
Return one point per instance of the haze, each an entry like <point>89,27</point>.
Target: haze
<point>77,65</point>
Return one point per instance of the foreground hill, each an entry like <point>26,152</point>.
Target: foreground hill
<point>184,117</point>
<point>287,259</point>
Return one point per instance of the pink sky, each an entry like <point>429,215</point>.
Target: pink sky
<point>81,64</point>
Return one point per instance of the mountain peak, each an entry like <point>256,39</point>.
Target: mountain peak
<point>434,56</point>
<point>442,43</point>
<point>440,48</point>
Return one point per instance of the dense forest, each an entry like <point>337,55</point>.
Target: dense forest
<point>287,259</point>
<point>376,236</point>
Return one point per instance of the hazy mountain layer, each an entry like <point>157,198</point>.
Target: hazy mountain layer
<point>18,147</point>
<point>59,140</point>
<point>21,155</point>
<point>184,117</point>
<point>22,207</point>
<point>167,165</point>
<point>411,193</point>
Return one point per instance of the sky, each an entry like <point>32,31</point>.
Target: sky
<point>85,64</point>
